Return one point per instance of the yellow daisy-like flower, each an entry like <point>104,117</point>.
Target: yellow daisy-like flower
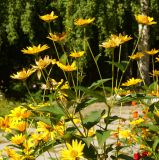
<point>76,54</point>
<point>18,139</point>
<point>57,37</point>
<point>156,112</point>
<point>35,49</point>
<point>155,73</point>
<point>115,41</point>
<point>73,152</point>
<point>23,75</point>
<point>49,17</point>
<point>157,59</point>
<point>5,123</point>
<point>12,154</point>
<point>19,125</point>
<point>124,133</point>
<point>136,122</point>
<point>143,19</point>
<point>83,22</point>
<point>20,112</point>
<point>67,68</point>
<point>152,52</point>
<point>136,56</point>
<point>42,63</point>
<point>132,82</point>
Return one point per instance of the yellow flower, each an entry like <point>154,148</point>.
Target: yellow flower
<point>73,152</point>
<point>18,139</point>
<point>49,17</point>
<point>156,112</point>
<point>138,55</point>
<point>152,52</point>
<point>5,123</point>
<point>115,41</point>
<point>57,37</point>
<point>19,125</point>
<point>157,59</point>
<point>67,68</point>
<point>20,112</point>
<point>41,64</point>
<point>35,49</point>
<point>83,22</point>
<point>155,73</point>
<point>23,74</point>
<point>143,19</point>
<point>124,133</point>
<point>132,82</point>
<point>136,122</point>
<point>76,54</point>
<point>12,154</point>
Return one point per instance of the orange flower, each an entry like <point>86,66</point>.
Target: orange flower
<point>135,114</point>
<point>133,103</point>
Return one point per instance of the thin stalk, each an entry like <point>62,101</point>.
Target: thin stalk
<point>25,84</point>
<point>153,67</point>
<point>134,50</point>
<point>112,72</point>
<point>118,68</point>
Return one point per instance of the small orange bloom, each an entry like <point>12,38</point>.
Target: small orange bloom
<point>135,114</point>
<point>133,103</point>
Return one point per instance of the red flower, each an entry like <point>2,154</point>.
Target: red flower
<point>137,156</point>
<point>144,154</point>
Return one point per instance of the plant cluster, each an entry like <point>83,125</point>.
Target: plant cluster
<point>59,120</point>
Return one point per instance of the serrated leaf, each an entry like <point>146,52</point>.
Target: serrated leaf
<point>92,119</point>
<point>111,119</point>
<point>102,136</point>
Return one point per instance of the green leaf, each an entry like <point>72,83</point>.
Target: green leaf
<point>111,119</point>
<point>156,142</point>
<point>85,103</point>
<point>102,136</point>
<point>63,59</point>
<point>99,83</point>
<point>54,108</point>
<point>87,140</point>
<point>89,92</point>
<point>93,118</point>
<point>97,57</point>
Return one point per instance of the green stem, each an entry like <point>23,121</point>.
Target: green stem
<point>118,68</point>
<point>25,84</point>
<point>112,72</point>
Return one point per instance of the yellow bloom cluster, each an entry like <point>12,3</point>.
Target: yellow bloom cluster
<point>136,122</point>
<point>115,41</point>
